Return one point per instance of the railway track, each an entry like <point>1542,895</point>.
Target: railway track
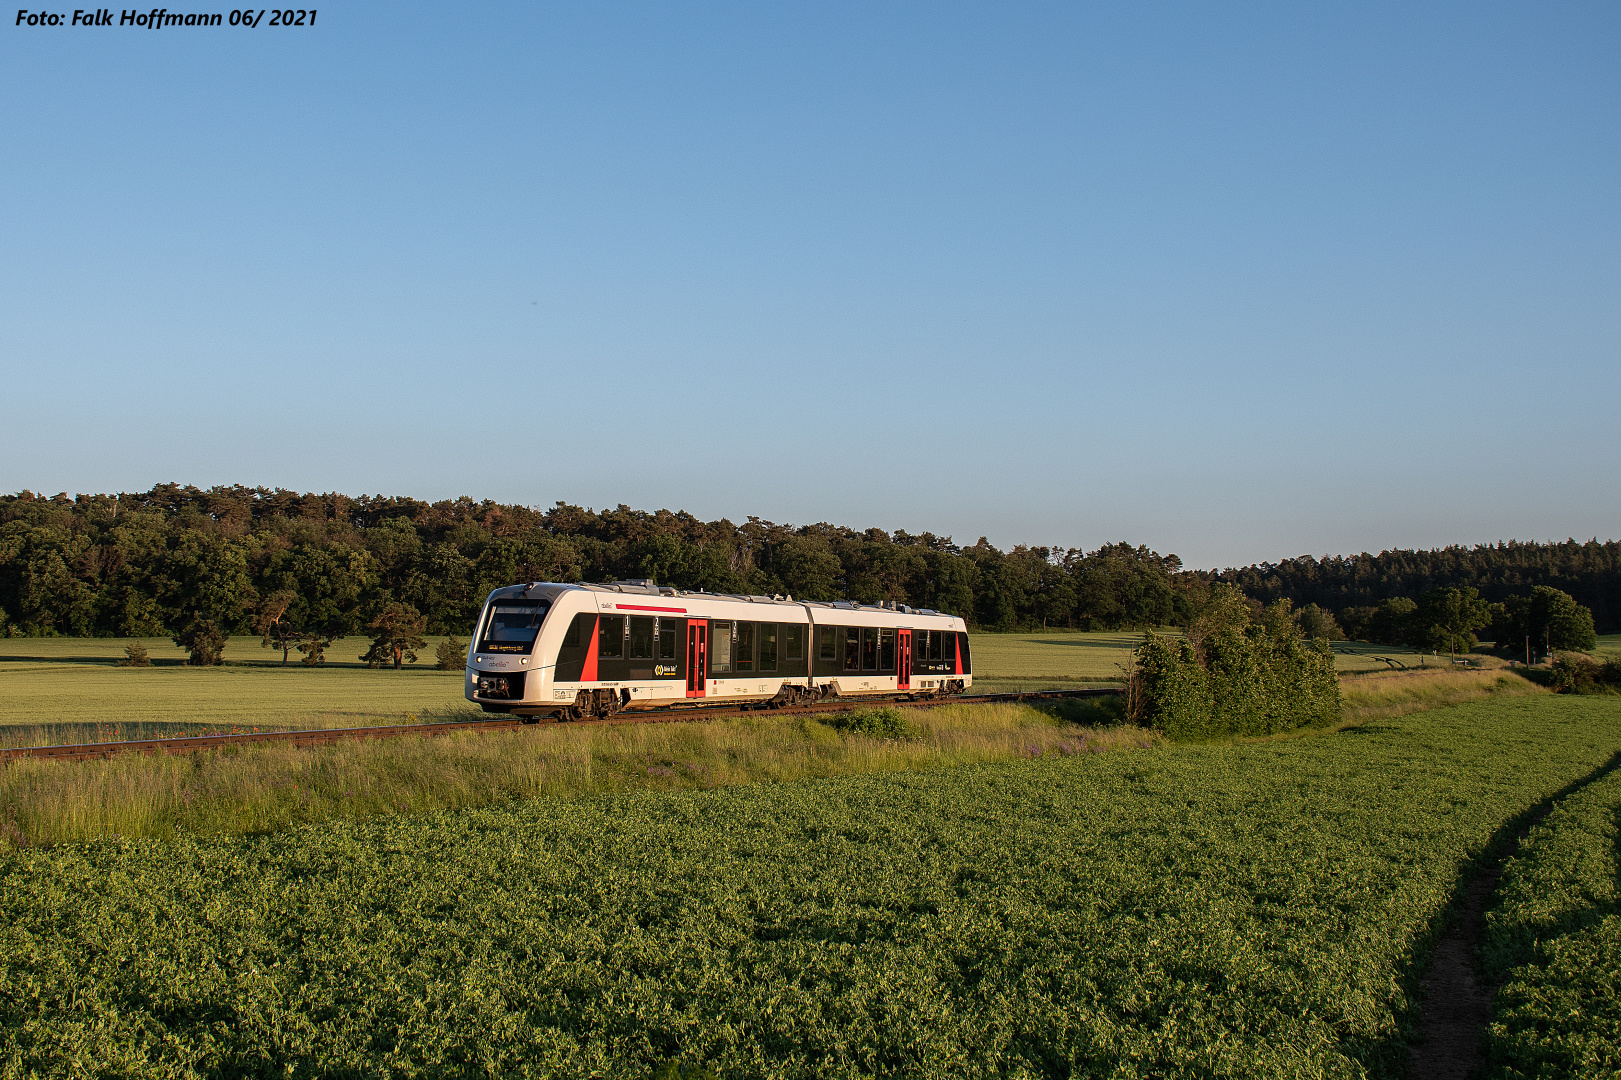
<point>673,714</point>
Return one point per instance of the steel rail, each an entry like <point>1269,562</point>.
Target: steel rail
<point>191,744</point>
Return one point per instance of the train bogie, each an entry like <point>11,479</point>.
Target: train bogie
<point>575,650</point>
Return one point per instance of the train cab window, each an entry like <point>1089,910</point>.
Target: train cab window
<point>828,649</point>
<point>512,625</point>
<point>743,655</point>
<point>611,637</point>
<point>793,642</point>
<point>869,648</point>
<point>641,637</point>
<point>720,647</point>
<point>886,648</point>
<point>768,646</point>
<point>962,647</point>
<point>669,631</point>
<point>852,649</point>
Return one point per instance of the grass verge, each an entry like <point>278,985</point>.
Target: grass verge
<point>1385,694</point>
<point>264,788</point>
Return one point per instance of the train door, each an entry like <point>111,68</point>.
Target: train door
<point>903,662</point>
<point>697,656</point>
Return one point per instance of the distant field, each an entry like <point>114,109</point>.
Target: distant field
<point>1054,658</point>
<point>1010,662</point>
<point>71,689</point>
<point>1608,645</point>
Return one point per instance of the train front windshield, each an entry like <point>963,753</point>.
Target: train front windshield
<point>512,625</point>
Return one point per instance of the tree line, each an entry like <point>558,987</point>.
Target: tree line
<point>306,568</point>
<point>1352,585</point>
<point>199,564</point>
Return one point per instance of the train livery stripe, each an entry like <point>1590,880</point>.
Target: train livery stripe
<point>641,607</point>
<point>589,672</point>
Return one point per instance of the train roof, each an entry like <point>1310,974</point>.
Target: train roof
<point>646,587</point>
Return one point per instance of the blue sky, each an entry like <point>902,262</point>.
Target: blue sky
<point>1238,283</point>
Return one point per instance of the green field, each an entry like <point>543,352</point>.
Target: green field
<point>56,690</point>
<point>69,690</point>
<point>1059,658</point>
<point>1191,911</point>
<point>1608,645</point>
<point>1554,943</point>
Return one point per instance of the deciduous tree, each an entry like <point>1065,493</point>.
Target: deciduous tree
<point>396,635</point>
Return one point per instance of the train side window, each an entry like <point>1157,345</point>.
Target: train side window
<point>768,646</point>
<point>886,648</point>
<point>571,637</point>
<point>967,661</point>
<point>828,649</point>
<point>669,631</point>
<point>852,649</point>
<point>793,642</point>
<point>743,655</point>
<point>869,648</point>
<point>641,637</point>
<point>611,637</point>
<point>720,647</point>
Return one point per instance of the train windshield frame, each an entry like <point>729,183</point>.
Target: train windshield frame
<point>511,626</point>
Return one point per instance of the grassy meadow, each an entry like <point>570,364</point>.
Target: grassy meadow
<point>70,690</point>
<point>67,690</point>
<point>1261,910</point>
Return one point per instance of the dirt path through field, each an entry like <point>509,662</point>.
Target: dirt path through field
<point>1457,1007</point>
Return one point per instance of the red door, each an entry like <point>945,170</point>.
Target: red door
<point>697,656</point>
<point>905,669</point>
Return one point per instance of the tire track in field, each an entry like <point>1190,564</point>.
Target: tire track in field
<point>1451,1035</point>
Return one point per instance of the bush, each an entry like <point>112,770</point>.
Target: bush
<point>882,723</point>
<point>204,639</point>
<point>314,649</point>
<point>1235,682</point>
<point>1577,674</point>
<point>452,655</point>
<point>135,656</point>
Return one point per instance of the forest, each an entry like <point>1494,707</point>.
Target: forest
<point>1589,572</point>
<point>151,562</point>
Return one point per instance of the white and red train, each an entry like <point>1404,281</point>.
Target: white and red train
<point>569,651</point>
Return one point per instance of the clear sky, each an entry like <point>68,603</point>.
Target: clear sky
<point>1239,282</point>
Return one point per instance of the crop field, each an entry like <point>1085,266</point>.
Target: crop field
<point>55,690</point>
<point>1608,645</point>
<point>1190,911</point>
<point>1555,943</point>
<point>1008,662</point>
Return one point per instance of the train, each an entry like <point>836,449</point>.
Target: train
<point>571,651</point>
